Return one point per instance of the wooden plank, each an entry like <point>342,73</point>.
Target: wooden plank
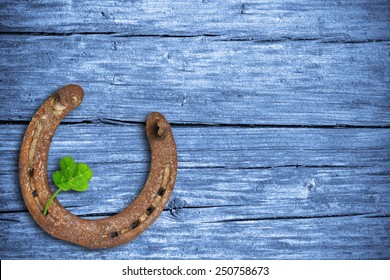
<point>232,194</point>
<point>200,80</point>
<point>255,193</point>
<point>348,237</point>
<point>245,152</point>
<point>336,20</point>
<point>216,147</point>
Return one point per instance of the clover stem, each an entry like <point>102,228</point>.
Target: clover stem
<point>50,201</point>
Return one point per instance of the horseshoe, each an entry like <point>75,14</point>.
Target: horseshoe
<point>60,223</point>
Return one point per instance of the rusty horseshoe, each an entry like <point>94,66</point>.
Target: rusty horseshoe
<point>60,223</point>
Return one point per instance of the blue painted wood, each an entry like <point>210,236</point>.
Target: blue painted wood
<point>280,112</point>
<point>195,81</point>
<point>346,20</point>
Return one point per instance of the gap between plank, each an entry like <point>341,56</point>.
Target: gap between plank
<point>111,121</point>
<point>292,218</point>
<point>220,37</point>
<point>371,215</point>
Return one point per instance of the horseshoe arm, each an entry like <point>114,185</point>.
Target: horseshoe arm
<point>60,223</point>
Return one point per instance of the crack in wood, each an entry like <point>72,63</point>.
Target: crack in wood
<point>378,216</point>
<point>275,166</point>
<point>9,220</point>
<point>119,122</point>
<point>113,33</point>
<point>290,218</point>
<point>4,212</point>
<point>223,37</point>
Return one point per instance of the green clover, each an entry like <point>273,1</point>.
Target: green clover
<point>72,176</point>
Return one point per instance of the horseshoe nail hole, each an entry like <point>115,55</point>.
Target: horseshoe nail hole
<point>114,234</point>
<point>159,130</point>
<point>34,194</point>
<point>31,171</point>
<point>160,191</point>
<point>150,210</point>
<point>134,224</point>
<point>56,104</point>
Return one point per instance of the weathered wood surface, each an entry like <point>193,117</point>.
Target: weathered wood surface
<point>281,113</point>
<point>297,199</point>
<point>348,20</point>
<point>201,81</point>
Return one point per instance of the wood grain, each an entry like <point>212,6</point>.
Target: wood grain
<point>348,20</point>
<point>280,112</point>
<point>322,193</point>
<point>200,80</point>
<point>348,237</point>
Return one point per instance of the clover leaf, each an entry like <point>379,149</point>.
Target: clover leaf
<point>71,176</point>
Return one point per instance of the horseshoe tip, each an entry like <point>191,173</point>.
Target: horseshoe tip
<point>157,125</point>
<point>71,94</point>
<point>155,115</point>
<point>75,89</point>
